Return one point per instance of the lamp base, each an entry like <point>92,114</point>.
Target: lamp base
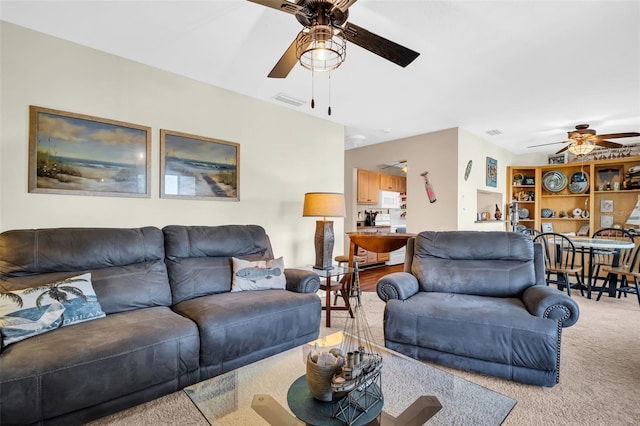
<point>324,239</point>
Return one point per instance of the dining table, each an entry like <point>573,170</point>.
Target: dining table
<point>614,246</point>
<point>377,242</point>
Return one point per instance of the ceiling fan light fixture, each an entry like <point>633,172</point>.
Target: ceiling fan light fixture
<point>319,48</point>
<point>582,146</point>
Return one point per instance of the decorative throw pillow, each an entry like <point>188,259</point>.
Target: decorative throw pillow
<point>258,275</point>
<point>36,310</point>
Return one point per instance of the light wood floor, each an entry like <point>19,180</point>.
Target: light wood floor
<point>369,277</point>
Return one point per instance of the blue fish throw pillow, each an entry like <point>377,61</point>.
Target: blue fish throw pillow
<point>36,310</point>
<point>258,275</point>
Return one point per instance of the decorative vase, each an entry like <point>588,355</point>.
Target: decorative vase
<point>498,214</point>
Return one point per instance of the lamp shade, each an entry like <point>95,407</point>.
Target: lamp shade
<point>324,204</point>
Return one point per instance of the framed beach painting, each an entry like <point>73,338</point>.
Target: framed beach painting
<point>78,154</point>
<point>197,167</point>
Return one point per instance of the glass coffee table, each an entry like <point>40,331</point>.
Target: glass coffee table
<point>247,395</point>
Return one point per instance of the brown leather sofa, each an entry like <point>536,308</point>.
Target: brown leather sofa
<point>171,319</point>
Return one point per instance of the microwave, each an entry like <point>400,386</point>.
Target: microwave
<point>389,200</point>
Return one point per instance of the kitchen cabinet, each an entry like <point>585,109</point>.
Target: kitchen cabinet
<point>402,184</point>
<point>393,182</point>
<point>383,257</point>
<point>370,183</point>
<point>368,187</point>
<point>371,258</point>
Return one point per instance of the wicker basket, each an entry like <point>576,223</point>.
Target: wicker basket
<point>319,378</point>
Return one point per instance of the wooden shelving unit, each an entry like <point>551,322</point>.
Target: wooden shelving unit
<point>604,177</point>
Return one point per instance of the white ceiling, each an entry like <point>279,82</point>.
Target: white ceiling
<point>530,69</point>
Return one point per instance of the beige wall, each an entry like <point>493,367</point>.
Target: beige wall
<point>444,155</point>
<point>474,194</point>
<point>436,153</point>
<point>284,153</point>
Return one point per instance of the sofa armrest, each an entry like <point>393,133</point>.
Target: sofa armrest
<point>302,281</point>
<point>397,285</point>
<point>547,302</point>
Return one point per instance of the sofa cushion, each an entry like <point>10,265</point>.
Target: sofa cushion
<point>96,361</point>
<point>499,264</point>
<point>199,257</point>
<point>127,265</point>
<point>38,251</point>
<point>258,274</point>
<point>27,313</point>
<point>241,327</point>
<point>499,330</point>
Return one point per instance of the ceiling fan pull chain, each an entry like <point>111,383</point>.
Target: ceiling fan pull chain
<point>313,89</point>
<point>329,109</point>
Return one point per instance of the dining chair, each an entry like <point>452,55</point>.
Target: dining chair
<point>605,257</point>
<point>532,232</point>
<point>559,260</point>
<point>628,273</point>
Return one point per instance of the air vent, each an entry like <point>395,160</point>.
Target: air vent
<point>288,99</point>
<point>494,132</point>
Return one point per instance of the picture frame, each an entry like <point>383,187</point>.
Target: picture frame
<point>546,227</point>
<point>584,230</point>
<point>492,172</point>
<point>607,179</point>
<point>606,206</point>
<point>77,154</point>
<point>606,221</point>
<point>558,158</point>
<point>198,167</point>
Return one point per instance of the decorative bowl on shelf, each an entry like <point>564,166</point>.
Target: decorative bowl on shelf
<point>546,213</point>
<point>554,181</point>
<point>523,213</point>
<point>579,182</point>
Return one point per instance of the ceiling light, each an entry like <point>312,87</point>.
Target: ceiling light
<point>582,146</point>
<point>319,49</point>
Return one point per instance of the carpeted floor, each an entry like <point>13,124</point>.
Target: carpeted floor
<point>599,374</point>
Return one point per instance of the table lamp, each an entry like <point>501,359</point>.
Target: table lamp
<point>324,204</point>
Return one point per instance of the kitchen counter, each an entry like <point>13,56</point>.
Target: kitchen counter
<point>375,228</point>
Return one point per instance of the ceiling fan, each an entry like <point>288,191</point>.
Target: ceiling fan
<point>584,133</point>
<point>325,32</point>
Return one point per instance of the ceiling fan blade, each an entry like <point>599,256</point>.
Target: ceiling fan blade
<point>288,60</point>
<point>382,47</point>
<point>283,5</point>
<point>619,135</point>
<point>343,5</point>
<point>546,144</point>
<point>607,144</point>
